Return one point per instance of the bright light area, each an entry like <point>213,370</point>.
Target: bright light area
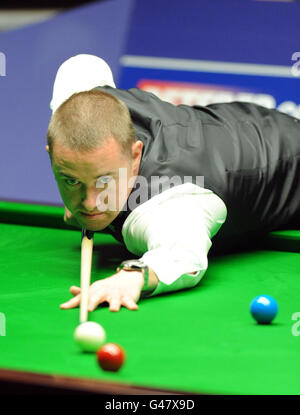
<point>13,19</point>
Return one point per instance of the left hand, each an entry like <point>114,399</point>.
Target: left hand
<point>121,289</point>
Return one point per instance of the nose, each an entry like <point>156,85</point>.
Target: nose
<point>88,201</point>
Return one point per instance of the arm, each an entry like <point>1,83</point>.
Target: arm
<point>173,233</point>
<point>175,250</point>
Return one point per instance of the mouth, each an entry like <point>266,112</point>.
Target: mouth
<point>91,217</point>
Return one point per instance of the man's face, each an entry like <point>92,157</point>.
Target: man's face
<point>91,184</point>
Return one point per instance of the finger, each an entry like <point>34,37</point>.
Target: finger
<point>115,304</point>
<point>74,302</point>
<point>95,300</point>
<point>75,290</point>
<point>129,303</point>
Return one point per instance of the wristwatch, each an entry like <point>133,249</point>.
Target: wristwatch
<point>136,265</point>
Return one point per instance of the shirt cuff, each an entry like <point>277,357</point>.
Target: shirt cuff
<point>174,272</point>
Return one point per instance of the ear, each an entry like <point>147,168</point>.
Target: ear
<point>47,149</point>
<point>137,148</point>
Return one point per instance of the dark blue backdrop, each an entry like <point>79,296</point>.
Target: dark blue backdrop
<point>232,30</point>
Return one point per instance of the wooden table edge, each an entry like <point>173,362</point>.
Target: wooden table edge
<point>23,382</point>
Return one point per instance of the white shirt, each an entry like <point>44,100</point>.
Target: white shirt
<point>172,232</point>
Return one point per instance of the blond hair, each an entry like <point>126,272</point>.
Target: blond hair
<point>88,119</point>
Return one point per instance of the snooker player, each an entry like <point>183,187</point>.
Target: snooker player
<point>165,180</point>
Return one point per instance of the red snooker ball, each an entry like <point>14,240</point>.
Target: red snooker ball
<point>111,357</point>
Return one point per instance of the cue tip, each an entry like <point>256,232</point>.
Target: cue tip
<point>87,233</point>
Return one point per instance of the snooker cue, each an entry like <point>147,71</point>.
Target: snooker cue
<point>85,272</point>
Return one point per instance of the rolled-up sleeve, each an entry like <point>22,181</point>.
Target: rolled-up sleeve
<point>172,232</point>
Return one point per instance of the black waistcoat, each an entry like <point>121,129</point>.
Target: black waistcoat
<point>247,154</point>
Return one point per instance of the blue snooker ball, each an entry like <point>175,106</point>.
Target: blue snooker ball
<point>263,308</point>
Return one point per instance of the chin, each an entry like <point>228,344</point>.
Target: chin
<point>95,226</point>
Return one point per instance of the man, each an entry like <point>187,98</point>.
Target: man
<point>165,180</point>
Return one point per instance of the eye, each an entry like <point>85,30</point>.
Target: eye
<point>71,182</point>
<point>104,179</point>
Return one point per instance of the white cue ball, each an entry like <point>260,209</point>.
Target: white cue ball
<point>89,336</point>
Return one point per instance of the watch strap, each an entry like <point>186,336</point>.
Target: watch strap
<point>133,266</point>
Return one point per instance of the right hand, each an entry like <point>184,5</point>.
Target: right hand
<point>69,219</point>
<point>121,289</point>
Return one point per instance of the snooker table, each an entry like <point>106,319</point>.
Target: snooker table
<point>197,341</point>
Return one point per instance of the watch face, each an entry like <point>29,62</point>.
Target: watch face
<point>135,263</point>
